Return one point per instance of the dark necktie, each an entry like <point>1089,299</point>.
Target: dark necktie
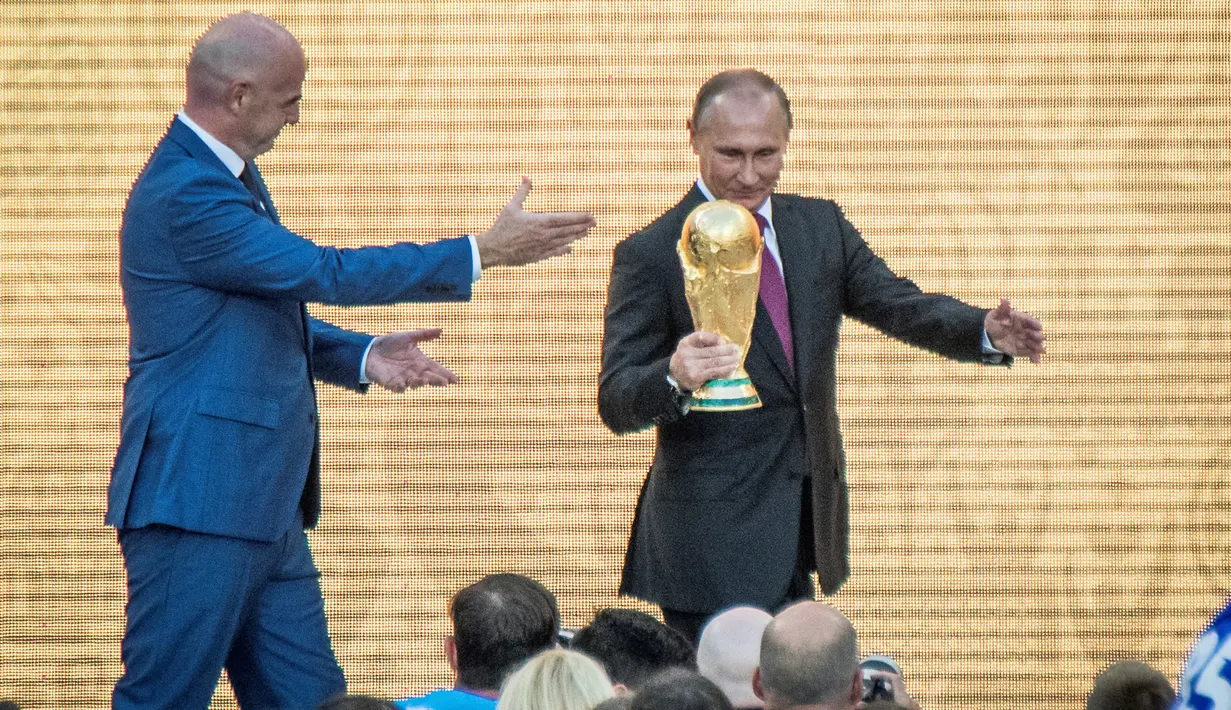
<point>773,295</point>
<point>249,180</point>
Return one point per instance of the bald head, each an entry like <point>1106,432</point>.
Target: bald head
<point>809,656</point>
<point>244,82</point>
<point>730,650</point>
<point>242,47</point>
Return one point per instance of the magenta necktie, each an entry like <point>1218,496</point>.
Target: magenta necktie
<point>773,295</point>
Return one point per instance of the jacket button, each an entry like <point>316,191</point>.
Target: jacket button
<point>311,417</point>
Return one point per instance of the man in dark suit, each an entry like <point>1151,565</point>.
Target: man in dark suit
<point>217,472</point>
<point>739,507</point>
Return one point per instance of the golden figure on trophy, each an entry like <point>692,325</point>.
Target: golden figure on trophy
<point>720,253</point>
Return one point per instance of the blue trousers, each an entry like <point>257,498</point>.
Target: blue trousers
<point>199,603</point>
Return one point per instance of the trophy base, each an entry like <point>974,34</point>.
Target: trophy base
<point>726,395</point>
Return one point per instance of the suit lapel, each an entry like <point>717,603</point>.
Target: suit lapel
<point>268,201</point>
<point>798,264</point>
<point>766,337</point>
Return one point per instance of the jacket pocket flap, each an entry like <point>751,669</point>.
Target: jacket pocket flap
<point>238,406</point>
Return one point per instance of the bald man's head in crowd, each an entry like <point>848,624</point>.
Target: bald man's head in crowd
<point>729,652</point>
<point>809,658</point>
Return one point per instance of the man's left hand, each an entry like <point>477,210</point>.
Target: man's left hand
<point>1015,333</point>
<point>396,363</point>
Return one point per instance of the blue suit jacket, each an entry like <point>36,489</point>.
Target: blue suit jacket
<point>220,432</point>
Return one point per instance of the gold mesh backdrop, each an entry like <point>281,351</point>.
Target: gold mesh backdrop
<point>1014,531</point>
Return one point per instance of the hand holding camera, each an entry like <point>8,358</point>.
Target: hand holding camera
<point>882,681</point>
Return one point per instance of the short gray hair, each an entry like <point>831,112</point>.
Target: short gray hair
<point>738,79</point>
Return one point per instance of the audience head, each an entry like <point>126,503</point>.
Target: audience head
<point>1130,685</point>
<point>9,705</point>
<point>633,646</point>
<point>354,702</point>
<point>499,622</point>
<point>809,657</point>
<point>730,650</point>
<point>679,689</point>
<point>558,679</point>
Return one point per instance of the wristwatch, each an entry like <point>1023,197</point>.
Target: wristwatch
<point>682,397</point>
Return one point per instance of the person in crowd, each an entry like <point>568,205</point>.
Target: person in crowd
<point>1203,684</point>
<point>632,646</point>
<point>730,650</point>
<point>679,689</point>
<point>741,507</point>
<point>217,473</point>
<point>1130,685</point>
<point>355,702</point>
<point>499,623</point>
<point>558,679</point>
<point>810,661</point>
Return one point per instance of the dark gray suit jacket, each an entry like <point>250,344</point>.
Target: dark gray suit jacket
<point>718,519</point>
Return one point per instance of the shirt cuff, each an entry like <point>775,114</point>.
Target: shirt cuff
<point>363,365</point>
<point>991,355</point>
<point>476,264</point>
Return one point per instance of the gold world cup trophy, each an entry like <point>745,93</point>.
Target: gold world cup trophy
<point>720,252</point>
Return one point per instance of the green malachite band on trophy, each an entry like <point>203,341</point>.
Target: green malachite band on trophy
<point>724,395</point>
<point>704,404</point>
<point>738,382</point>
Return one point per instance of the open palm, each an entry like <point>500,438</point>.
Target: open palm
<point>396,363</point>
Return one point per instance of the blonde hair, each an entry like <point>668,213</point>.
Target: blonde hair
<point>556,680</point>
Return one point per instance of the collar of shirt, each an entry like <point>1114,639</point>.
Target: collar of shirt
<point>766,211</point>
<point>228,157</point>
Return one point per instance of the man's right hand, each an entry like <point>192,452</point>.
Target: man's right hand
<point>701,357</point>
<point>519,237</point>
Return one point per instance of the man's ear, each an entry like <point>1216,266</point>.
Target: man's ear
<point>757,689</point>
<point>621,690</point>
<point>238,93</point>
<point>451,652</point>
<point>692,134</point>
<point>857,686</point>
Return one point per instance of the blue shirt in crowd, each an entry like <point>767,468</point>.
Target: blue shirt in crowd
<point>446,700</point>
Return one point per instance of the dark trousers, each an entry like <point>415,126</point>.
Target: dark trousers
<point>800,588</point>
<point>199,603</point>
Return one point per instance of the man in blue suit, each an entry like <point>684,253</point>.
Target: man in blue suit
<point>217,472</point>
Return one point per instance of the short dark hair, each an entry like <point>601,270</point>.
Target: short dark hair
<point>355,702</point>
<point>1130,685</point>
<point>499,622</point>
<point>679,689</point>
<point>9,705</point>
<point>723,82</point>
<point>632,646</point>
<point>617,702</point>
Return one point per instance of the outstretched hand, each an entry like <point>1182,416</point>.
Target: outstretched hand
<point>396,363</point>
<point>519,237</point>
<point>1015,333</point>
